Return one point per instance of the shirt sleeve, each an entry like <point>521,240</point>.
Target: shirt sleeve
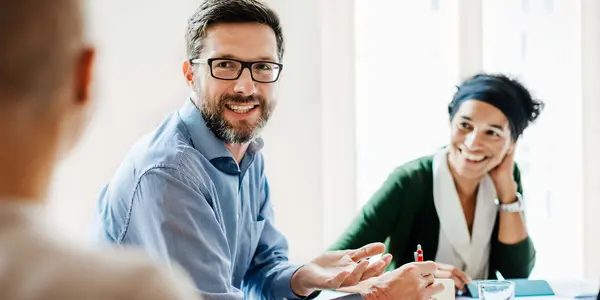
<point>269,275</point>
<point>171,219</point>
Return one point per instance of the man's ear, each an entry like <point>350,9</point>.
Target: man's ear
<point>85,70</point>
<point>188,73</point>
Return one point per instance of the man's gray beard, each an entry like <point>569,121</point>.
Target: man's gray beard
<point>224,131</point>
<point>213,113</point>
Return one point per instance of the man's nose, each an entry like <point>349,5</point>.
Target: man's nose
<point>244,85</point>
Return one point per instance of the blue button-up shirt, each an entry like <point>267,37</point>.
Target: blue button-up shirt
<point>180,195</point>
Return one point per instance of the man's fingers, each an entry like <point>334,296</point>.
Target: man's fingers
<point>336,281</point>
<point>427,280</point>
<point>373,270</point>
<point>443,274</point>
<point>367,251</point>
<point>385,262</point>
<point>377,268</point>
<point>445,267</point>
<point>387,259</point>
<point>356,275</point>
<point>427,267</point>
<point>432,290</point>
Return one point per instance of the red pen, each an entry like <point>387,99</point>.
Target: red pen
<point>419,253</point>
<point>419,256</point>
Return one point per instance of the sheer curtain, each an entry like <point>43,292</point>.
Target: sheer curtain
<point>537,41</point>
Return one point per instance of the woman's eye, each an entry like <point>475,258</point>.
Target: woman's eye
<point>464,125</point>
<point>494,133</point>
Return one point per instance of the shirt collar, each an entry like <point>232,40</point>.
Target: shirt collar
<point>203,139</point>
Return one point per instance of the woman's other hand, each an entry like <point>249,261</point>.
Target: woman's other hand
<point>449,271</point>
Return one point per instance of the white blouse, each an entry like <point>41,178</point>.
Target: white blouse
<point>456,246</point>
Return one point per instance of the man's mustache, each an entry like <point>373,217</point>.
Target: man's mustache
<point>242,99</point>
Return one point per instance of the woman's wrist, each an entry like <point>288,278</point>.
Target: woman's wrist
<point>506,191</point>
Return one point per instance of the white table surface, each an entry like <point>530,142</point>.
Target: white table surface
<point>332,295</point>
<point>564,289</point>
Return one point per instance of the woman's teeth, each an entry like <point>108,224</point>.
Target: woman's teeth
<point>240,109</point>
<point>472,157</point>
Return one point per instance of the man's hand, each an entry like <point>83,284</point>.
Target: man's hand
<point>412,281</point>
<point>459,277</point>
<point>342,268</point>
<point>361,287</point>
<point>449,271</point>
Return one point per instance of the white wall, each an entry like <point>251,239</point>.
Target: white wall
<point>310,139</point>
<point>590,47</point>
<point>138,80</point>
<point>293,136</point>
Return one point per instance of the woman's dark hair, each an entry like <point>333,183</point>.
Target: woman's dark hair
<point>506,94</point>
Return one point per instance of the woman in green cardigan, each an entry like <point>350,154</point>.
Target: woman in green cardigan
<point>463,203</point>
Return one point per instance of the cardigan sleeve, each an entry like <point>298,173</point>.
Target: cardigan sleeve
<point>379,217</point>
<point>516,260</point>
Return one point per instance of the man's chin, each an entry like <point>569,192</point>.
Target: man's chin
<point>242,135</point>
<point>243,126</point>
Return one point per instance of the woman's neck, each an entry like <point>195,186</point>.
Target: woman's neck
<point>467,195</point>
<point>466,188</point>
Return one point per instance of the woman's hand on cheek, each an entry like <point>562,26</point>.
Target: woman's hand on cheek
<point>503,178</point>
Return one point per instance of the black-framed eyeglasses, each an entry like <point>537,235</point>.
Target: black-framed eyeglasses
<point>231,69</point>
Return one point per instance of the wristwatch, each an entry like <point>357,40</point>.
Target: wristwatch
<point>516,206</point>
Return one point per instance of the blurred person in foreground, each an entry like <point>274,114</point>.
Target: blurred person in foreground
<point>45,77</point>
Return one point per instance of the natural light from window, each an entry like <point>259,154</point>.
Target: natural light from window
<point>405,78</point>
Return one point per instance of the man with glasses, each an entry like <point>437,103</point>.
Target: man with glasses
<point>195,191</point>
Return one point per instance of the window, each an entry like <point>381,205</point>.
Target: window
<point>401,53</point>
<point>405,77</point>
<point>538,44</point>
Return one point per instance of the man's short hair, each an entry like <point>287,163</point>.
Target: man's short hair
<point>39,39</point>
<point>213,12</point>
